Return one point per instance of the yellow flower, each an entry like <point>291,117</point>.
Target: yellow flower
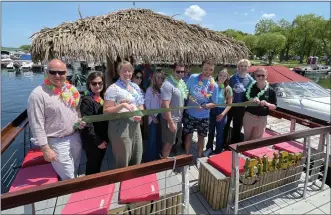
<point>208,95</point>
<point>200,83</point>
<point>65,96</point>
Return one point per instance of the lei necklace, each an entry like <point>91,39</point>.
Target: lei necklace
<point>210,86</point>
<point>69,94</point>
<point>180,85</point>
<point>95,97</point>
<point>134,92</point>
<point>248,93</point>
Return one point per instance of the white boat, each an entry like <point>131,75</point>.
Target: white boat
<point>26,66</point>
<point>10,66</point>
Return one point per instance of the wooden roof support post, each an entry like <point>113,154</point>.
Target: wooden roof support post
<point>110,72</point>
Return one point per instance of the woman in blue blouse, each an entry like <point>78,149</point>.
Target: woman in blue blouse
<point>218,114</point>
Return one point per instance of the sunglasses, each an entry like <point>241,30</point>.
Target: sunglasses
<point>260,76</point>
<point>178,72</point>
<point>53,72</point>
<point>139,77</point>
<point>97,83</point>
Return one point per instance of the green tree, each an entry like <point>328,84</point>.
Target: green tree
<point>234,34</point>
<point>286,28</point>
<point>322,34</point>
<point>266,26</point>
<point>251,42</point>
<point>25,47</point>
<point>272,43</point>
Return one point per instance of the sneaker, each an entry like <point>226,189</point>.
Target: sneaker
<point>207,152</point>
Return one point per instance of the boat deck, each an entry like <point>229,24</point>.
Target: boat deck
<point>273,202</point>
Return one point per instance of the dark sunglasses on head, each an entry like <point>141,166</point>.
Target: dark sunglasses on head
<point>97,83</point>
<point>178,72</point>
<point>260,76</point>
<point>53,72</point>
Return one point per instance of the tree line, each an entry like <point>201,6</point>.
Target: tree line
<point>307,35</point>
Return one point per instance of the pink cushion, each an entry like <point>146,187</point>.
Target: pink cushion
<point>223,163</point>
<point>260,152</point>
<point>291,146</point>
<point>92,201</point>
<point>33,158</point>
<point>34,176</point>
<point>140,189</point>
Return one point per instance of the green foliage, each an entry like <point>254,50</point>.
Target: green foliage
<point>25,47</point>
<point>272,43</point>
<point>235,34</point>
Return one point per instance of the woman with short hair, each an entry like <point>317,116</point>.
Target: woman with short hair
<point>255,118</point>
<point>125,134</point>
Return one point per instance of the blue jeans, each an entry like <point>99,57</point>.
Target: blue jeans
<point>154,143</point>
<point>219,130</point>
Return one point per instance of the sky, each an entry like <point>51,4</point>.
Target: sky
<point>19,20</point>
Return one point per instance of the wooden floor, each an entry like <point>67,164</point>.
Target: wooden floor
<point>278,202</point>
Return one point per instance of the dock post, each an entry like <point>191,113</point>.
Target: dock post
<point>292,128</point>
<point>307,167</point>
<point>326,161</point>
<point>186,191</point>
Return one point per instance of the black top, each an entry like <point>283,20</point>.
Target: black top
<point>269,96</point>
<point>97,132</point>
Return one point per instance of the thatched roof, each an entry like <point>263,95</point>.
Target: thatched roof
<point>138,32</point>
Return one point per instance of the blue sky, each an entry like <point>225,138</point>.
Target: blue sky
<point>21,19</point>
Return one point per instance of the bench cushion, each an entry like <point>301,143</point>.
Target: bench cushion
<point>140,189</point>
<point>34,157</point>
<point>92,201</point>
<point>223,163</point>
<point>34,176</point>
<point>260,152</point>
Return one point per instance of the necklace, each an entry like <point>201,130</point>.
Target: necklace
<point>180,85</point>
<point>95,97</point>
<point>133,91</point>
<point>248,93</point>
<point>68,94</point>
<point>209,88</point>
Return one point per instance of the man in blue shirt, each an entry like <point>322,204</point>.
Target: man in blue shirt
<point>203,92</point>
<point>239,82</point>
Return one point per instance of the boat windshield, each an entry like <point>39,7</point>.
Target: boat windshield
<point>300,90</point>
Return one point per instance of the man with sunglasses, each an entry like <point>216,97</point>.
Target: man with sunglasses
<point>52,112</point>
<point>173,92</point>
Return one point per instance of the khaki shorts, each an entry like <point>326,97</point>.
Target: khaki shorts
<point>168,136</point>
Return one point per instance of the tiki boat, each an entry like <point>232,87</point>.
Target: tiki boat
<point>31,186</point>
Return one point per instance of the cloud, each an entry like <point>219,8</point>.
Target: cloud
<point>245,14</point>
<point>252,9</point>
<point>195,12</point>
<point>162,13</point>
<point>268,15</point>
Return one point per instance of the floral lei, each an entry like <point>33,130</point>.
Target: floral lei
<point>180,85</point>
<point>210,86</point>
<point>248,93</point>
<point>135,95</point>
<point>95,97</point>
<point>69,94</point>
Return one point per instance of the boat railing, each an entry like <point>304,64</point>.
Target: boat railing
<point>44,192</point>
<point>312,172</point>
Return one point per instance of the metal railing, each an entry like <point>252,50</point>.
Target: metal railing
<point>234,191</point>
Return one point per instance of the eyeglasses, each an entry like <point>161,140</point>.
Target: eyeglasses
<point>178,72</point>
<point>53,72</point>
<point>97,83</point>
<point>139,77</point>
<point>260,76</point>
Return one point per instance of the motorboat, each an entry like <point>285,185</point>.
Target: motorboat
<point>298,94</point>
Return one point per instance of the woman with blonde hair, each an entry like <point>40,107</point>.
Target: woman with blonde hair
<point>153,101</point>
<point>255,118</point>
<point>218,114</point>
<point>125,134</point>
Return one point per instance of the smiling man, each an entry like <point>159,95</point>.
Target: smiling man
<point>203,92</point>
<point>52,112</point>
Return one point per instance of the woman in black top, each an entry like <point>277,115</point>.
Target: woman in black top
<point>255,118</point>
<point>94,135</point>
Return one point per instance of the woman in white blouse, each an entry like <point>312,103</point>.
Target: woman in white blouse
<point>153,101</point>
<point>125,134</point>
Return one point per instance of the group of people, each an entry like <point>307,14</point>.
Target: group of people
<point>55,106</point>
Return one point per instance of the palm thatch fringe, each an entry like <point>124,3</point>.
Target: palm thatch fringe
<point>137,32</point>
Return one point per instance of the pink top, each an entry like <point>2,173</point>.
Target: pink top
<point>49,116</point>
